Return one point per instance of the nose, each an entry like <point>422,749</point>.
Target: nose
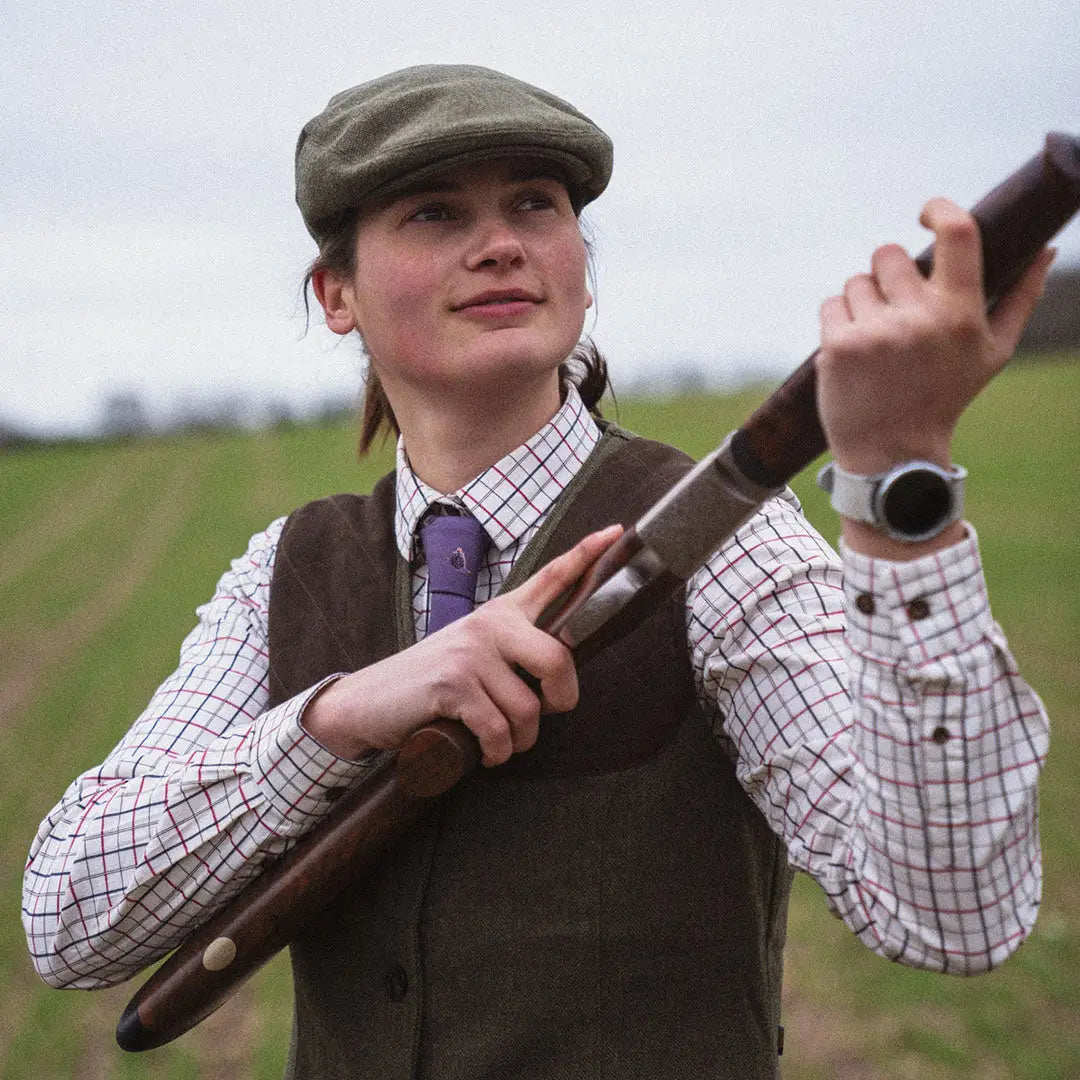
<point>496,244</point>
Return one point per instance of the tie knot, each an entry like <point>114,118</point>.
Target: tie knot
<point>455,546</point>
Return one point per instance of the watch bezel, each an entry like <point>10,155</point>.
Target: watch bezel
<point>887,484</point>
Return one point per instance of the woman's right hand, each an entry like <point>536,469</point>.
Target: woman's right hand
<point>466,672</point>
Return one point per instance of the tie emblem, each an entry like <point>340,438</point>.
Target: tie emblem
<point>455,547</point>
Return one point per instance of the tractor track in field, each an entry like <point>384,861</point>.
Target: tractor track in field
<point>77,505</point>
<point>162,521</point>
<point>224,1044</point>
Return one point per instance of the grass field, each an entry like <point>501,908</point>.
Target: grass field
<point>105,550</point>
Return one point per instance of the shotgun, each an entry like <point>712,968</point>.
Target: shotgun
<point>653,557</point>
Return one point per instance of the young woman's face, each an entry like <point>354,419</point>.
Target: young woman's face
<point>476,279</point>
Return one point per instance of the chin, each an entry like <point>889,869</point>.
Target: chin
<point>522,360</point>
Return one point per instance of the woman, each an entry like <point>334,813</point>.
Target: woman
<point>608,896</point>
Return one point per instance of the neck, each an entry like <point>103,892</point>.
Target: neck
<point>456,437</point>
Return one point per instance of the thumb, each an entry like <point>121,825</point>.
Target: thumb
<point>1012,312</point>
<point>554,578</point>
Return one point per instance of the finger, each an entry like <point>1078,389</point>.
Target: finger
<point>529,679</point>
<point>834,315</point>
<point>488,723</point>
<point>519,706</point>
<point>957,247</point>
<point>544,665</point>
<point>862,296</point>
<point>1011,314</point>
<point>553,579</point>
<point>896,274</point>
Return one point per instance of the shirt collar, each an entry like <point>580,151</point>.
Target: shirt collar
<point>510,497</point>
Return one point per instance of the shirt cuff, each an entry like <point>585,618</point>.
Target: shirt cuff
<point>920,610</point>
<point>299,778</point>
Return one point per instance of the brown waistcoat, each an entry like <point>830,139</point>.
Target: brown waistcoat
<point>609,904</point>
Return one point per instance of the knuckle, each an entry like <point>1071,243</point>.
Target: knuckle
<point>450,678</point>
<point>833,305</point>
<point>912,323</point>
<point>493,734</point>
<point>832,349</point>
<point>527,708</point>
<point>563,695</point>
<point>939,204</point>
<point>549,577</point>
<point>443,677</point>
<point>527,729</point>
<point>847,344</point>
<point>525,739</point>
<point>888,255</point>
<point>446,698</point>
<point>962,325</point>
<point>555,656</point>
<point>957,226</point>
<point>496,755</point>
<point>888,251</point>
<point>480,621</point>
<point>564,570</point>
<point>544,656</point>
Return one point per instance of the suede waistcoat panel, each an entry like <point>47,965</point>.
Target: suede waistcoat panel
<point>608,904</point>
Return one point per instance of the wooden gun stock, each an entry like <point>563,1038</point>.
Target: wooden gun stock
<point>784,435</point>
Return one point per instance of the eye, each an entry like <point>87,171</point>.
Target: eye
<point>430,212</point>
<point>537,201</point>
<point>545,197</point>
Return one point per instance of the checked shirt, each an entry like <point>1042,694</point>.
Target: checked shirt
<point>874,712</point>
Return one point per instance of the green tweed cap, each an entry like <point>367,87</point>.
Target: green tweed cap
<point>376,138</point>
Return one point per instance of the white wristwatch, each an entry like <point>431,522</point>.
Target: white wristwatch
<point>913,501</point>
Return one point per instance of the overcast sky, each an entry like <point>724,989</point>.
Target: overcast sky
<point>150,241</point>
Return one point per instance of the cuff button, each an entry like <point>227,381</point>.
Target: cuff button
<point>918,609</point>
<point>865,603</point>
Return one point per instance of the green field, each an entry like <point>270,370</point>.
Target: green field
<point>105,550</point>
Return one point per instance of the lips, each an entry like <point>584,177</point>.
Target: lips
<point>495,297</point>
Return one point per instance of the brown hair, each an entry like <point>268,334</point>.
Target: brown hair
<point>585,367</point>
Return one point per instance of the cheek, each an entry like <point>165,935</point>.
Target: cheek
<point>573,272</point>
<point>393,304</point>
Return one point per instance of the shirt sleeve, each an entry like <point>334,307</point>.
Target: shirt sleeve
<point>205,788</point>
<point>878,720</point>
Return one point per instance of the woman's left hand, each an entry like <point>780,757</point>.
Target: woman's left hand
<point>902,356</point>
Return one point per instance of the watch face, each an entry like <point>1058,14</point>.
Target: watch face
<point>916,503</point>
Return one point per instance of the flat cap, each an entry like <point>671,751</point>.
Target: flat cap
<point>378,137</point>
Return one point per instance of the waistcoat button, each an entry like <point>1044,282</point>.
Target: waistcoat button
<point>397,983</point>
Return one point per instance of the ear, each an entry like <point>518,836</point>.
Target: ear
<point>333,295</point>
<point>588,300</point>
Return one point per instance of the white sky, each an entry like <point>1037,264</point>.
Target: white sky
<point>148,235</point>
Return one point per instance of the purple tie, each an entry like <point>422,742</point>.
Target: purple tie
<point>454,546</point>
